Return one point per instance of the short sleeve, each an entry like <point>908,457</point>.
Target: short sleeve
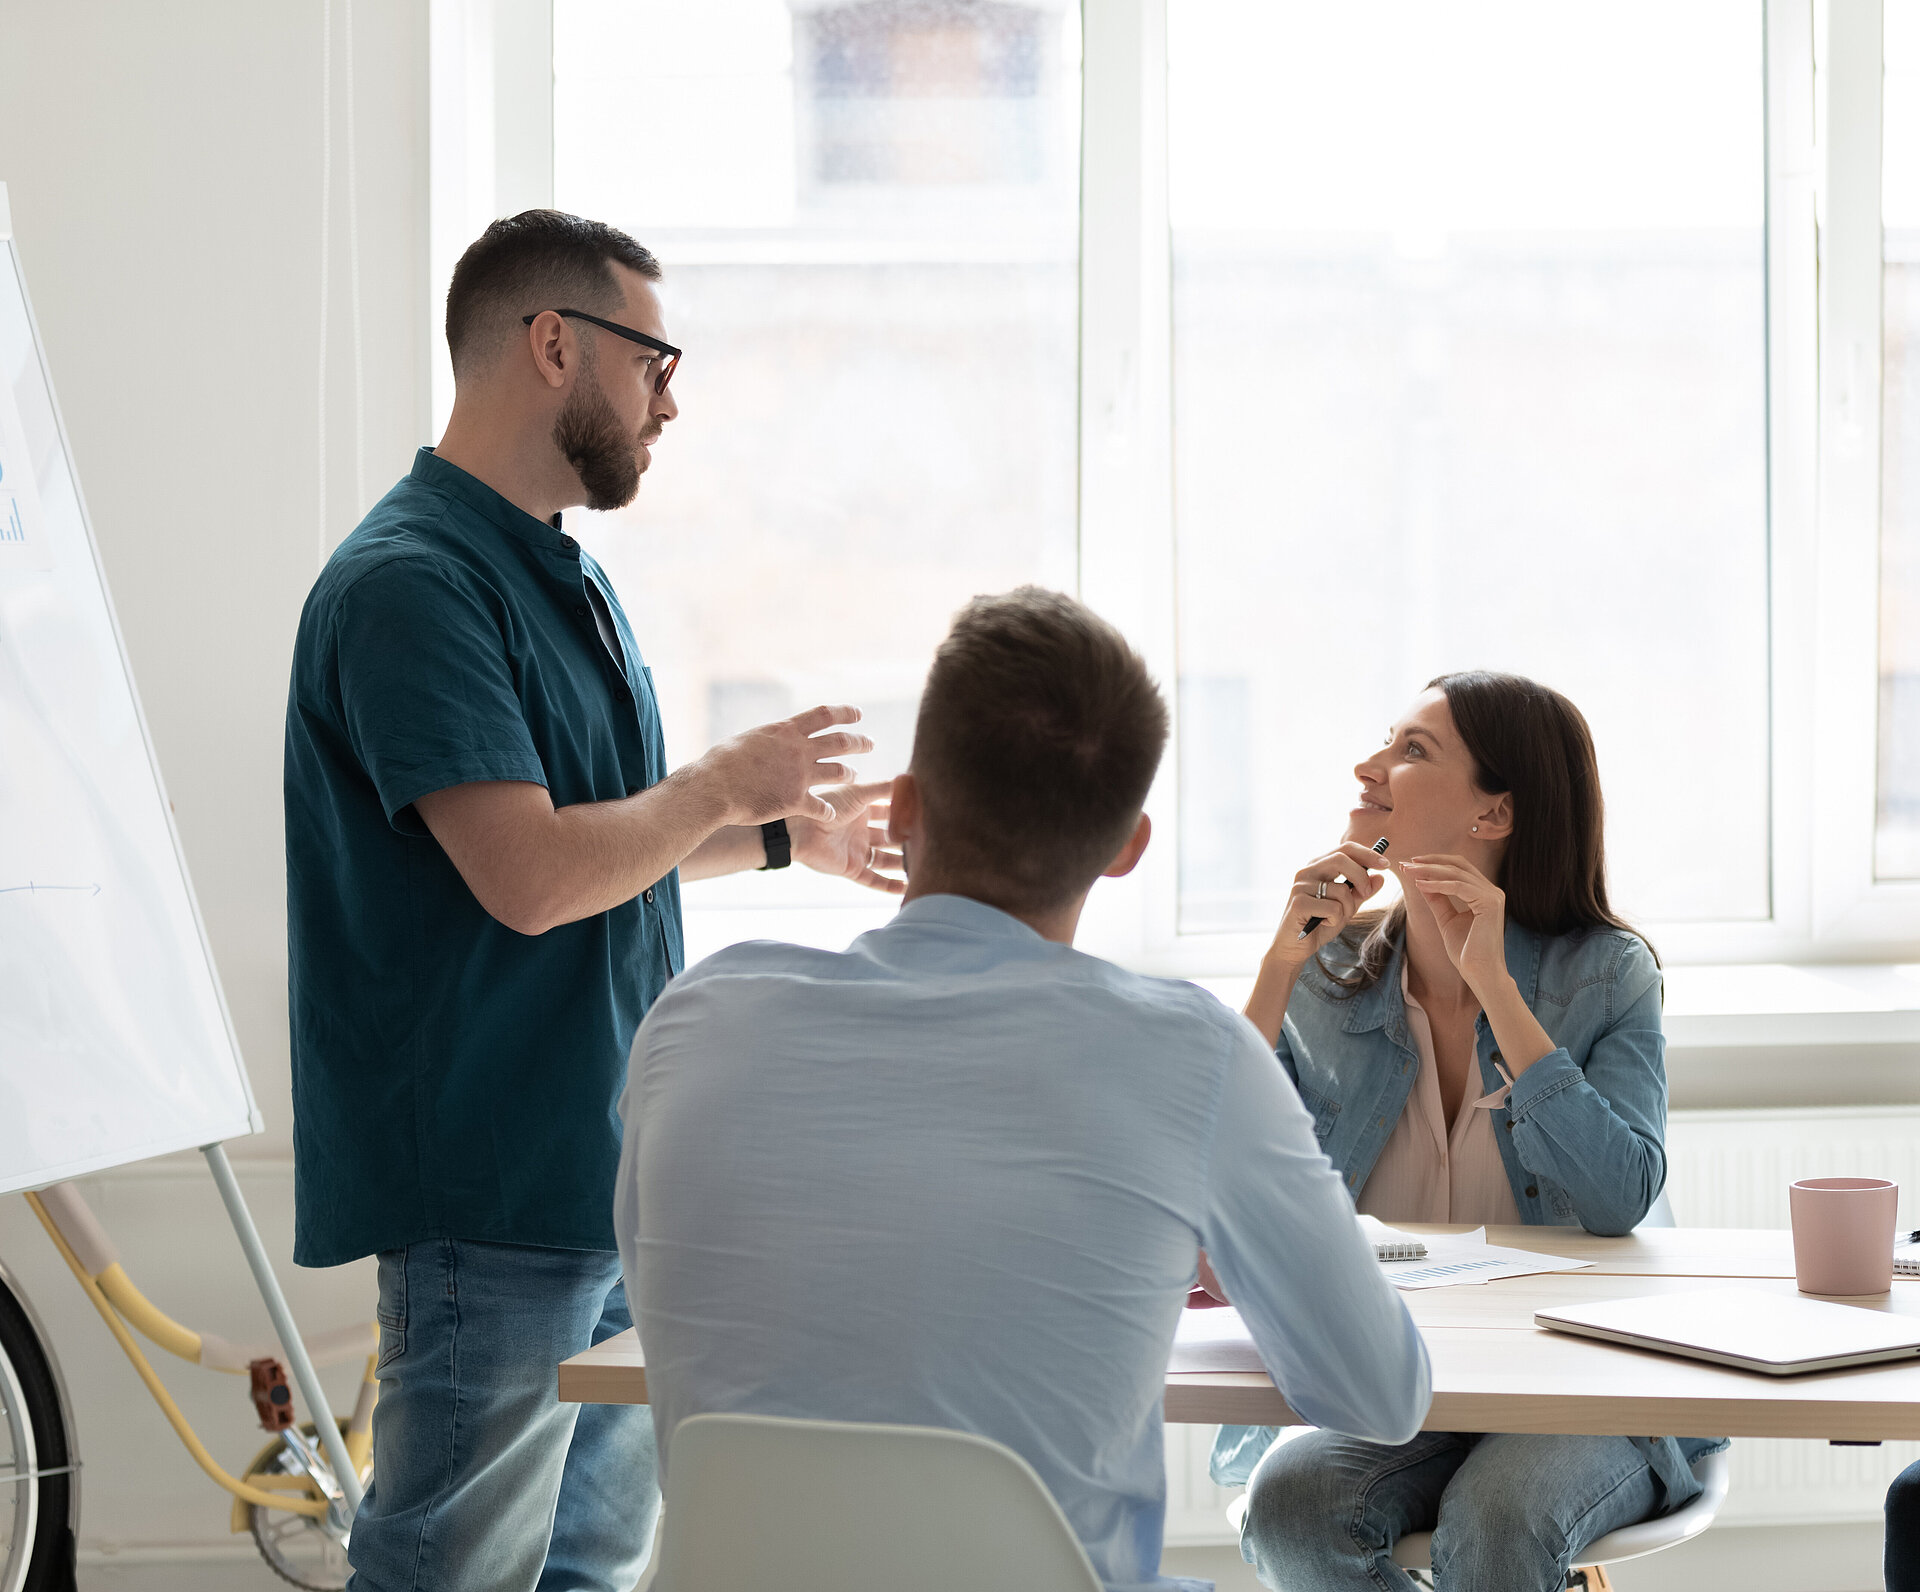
<point>427,688</point>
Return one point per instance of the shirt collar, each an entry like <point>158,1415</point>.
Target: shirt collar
<point>1382,1005</point>
<point>1379,1005</point>
<point>963,912</point>
<point>451,481</point>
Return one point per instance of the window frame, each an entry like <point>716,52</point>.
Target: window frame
<point>489,142</point>
<point>1131,34</point>
<point>1850,903</point>
<point>492,152</point>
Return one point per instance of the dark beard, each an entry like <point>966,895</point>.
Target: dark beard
<point>589,435</point>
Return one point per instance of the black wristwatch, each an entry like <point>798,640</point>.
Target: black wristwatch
<point>779,844</point>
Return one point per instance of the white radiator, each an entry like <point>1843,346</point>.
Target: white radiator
<point>1725,1169</point>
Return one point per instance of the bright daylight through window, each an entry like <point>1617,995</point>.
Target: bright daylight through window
<point>1897,841</point>
<point>1469,371</point>
<point>868,217</point>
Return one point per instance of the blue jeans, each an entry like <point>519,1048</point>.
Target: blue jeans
<point>1509,1512</point>
<point>481,1476</point>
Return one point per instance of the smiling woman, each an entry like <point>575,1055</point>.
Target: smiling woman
<point>1418,1040</point>
<point>1489,780</point>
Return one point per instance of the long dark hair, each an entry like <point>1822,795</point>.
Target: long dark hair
<point>1527,739</point>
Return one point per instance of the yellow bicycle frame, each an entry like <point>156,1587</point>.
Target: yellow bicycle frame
<point>120,1302</point>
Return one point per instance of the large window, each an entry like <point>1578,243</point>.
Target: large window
<point>1325,349</point>
<point>1469,330</point>
<point>867,214</point>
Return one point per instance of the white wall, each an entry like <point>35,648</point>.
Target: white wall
<point>164,165</point>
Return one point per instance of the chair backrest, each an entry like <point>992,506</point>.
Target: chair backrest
<point>1661,1213</point>
<point>829,1506</point>
<point>1413,1551</point>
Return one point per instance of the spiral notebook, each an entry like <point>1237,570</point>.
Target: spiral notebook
<point>1389,1243</point>
<point>1906,1256</point>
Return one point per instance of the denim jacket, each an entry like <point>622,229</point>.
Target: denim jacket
<point>1582,1134</point>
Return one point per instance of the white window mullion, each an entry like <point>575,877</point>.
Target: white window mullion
<point>1793,430</point>
<point>1851,913</point>
<point>1793,360</point>
<point>1126,497</point>
<point>490,139</point>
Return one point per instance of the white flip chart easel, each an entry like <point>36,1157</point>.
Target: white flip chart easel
<point>115,1042</point>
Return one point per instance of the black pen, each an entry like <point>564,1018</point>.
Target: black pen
<point>1379,846</point>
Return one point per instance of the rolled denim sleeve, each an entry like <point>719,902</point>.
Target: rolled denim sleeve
<point>1280,1232</point>
<point>1597,1127</point>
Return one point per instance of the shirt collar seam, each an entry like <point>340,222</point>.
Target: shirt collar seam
<point>492,507</point>
<point>1003,925</point>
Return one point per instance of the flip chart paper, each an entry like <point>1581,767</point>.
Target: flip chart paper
<point>114,1040</point>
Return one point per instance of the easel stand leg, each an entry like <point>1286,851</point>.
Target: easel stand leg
<point>283,1325</point>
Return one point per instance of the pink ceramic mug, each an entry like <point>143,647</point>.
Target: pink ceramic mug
<point>1843,1234</point>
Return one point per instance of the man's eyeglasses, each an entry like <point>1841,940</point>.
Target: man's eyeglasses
<point>671,353</point>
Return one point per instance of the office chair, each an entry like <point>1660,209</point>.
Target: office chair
<point>831,1506</point>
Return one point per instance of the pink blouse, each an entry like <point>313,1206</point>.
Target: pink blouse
<point>1425,1173</point>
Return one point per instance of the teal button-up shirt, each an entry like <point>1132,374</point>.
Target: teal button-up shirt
<point>451,1077</point>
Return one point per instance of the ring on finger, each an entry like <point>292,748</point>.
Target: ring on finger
<point>1321,893</point>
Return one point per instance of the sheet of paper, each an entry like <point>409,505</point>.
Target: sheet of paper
<point>1217,1340</point>
<point>1456,1258</point>
<point>1213,1340</point>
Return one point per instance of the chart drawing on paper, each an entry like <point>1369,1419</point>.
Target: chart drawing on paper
<point>22,546</point>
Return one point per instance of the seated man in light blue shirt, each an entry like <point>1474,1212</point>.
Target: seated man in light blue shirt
<point>960,1174</point>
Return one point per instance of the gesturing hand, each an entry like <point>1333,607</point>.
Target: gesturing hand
<point>1332,888</point>
<point>1471,911</point>
<point>769,772</point>
<point>853,843</point>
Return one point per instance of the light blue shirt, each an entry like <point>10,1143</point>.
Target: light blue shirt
<point>957,1175</point>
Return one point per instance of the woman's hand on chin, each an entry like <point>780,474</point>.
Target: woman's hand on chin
<point>1333,889</point>
<point>1471,911</point>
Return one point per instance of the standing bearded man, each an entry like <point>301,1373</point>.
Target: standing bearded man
<point>484,856</point>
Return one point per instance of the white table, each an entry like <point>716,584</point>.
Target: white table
<point>1495,1371</point>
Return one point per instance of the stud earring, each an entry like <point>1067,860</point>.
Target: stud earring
<point>1476,829</point>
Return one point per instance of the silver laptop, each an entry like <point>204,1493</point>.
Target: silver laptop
<point>1775,1333</point>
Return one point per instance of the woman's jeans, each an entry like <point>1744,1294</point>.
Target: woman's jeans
<point>1508,1512</point>
<point>1903,1532</point>
<point>482,1478</point>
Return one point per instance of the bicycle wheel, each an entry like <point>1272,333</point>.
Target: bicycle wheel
<point>36,1509</point>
